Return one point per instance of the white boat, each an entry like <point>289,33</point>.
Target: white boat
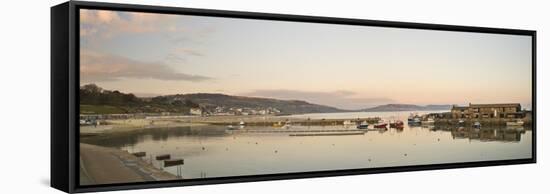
<point>516,123</point>
<point>242,123</point>
<point>363,125</point>
<point>429,121</point>
<point>476,125</point>
<point>230,127</point>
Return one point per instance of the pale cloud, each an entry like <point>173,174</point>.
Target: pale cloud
<point>341,99</point>
<point>187,51</point>
<point>107,24</point>
<point>96,66</point>
<point>181,55</point>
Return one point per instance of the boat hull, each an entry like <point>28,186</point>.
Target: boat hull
<point>381,125</point>
<point>362,126</point>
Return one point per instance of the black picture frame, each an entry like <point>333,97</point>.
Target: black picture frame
<point>65,83</point>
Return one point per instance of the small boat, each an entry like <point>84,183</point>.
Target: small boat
<point>363,125</point>
<point>414,121</point>
<point>242,123</point>
<point>380,124</point>
<point>413,118</point>
<point>476,125</point>
<point>396,124</point>
<point>278,124</point>
<point>287,125</point>
<point>230,127</point>
<point>518,122</point>
<point>428,121</point>
<point>461,122</point>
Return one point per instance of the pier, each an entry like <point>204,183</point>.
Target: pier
<point>328,134</point>
<point>298,130</point>
<point>280,121</point>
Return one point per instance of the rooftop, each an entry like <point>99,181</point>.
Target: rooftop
<point>495,105</point>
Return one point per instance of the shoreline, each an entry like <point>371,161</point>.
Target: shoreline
<point>128,125</point>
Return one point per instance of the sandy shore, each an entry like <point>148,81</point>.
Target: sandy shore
<point>101,165</point>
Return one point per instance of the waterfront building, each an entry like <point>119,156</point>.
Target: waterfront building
<point>509,110</point>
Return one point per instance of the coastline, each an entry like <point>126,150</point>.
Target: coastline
<point>128,125</point>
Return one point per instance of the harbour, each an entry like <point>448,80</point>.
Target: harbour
<point>214,150</point>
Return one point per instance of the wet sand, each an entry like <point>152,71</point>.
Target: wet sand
<point>101,165</point>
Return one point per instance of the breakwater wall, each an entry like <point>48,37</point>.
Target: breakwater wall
<point>292,121</point>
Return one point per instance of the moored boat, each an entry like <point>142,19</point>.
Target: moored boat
<point>413,118</point>
<point>363,125</point>
<point>380,124</point>
<point>396,124</point>
<point>428,121</point>
<point>287,125</point>
<point>476,125</point>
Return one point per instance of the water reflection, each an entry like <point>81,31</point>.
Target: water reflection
<point>500,134</point>
<point>124,139</point>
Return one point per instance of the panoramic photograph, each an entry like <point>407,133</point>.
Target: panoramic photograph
<point>180,97</point>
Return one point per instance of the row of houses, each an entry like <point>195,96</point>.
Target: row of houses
<point>508,110</point>
<point>221,110</point>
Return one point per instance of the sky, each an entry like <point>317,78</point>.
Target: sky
<point>343,66</point>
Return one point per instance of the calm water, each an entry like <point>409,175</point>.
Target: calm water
<point>213,151</point>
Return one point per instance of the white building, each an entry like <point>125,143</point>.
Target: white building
<point>195,111</point>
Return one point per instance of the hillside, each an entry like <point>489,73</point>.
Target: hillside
<point>96,100</point>
<point>406,107</point>
<point>210,101</point>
